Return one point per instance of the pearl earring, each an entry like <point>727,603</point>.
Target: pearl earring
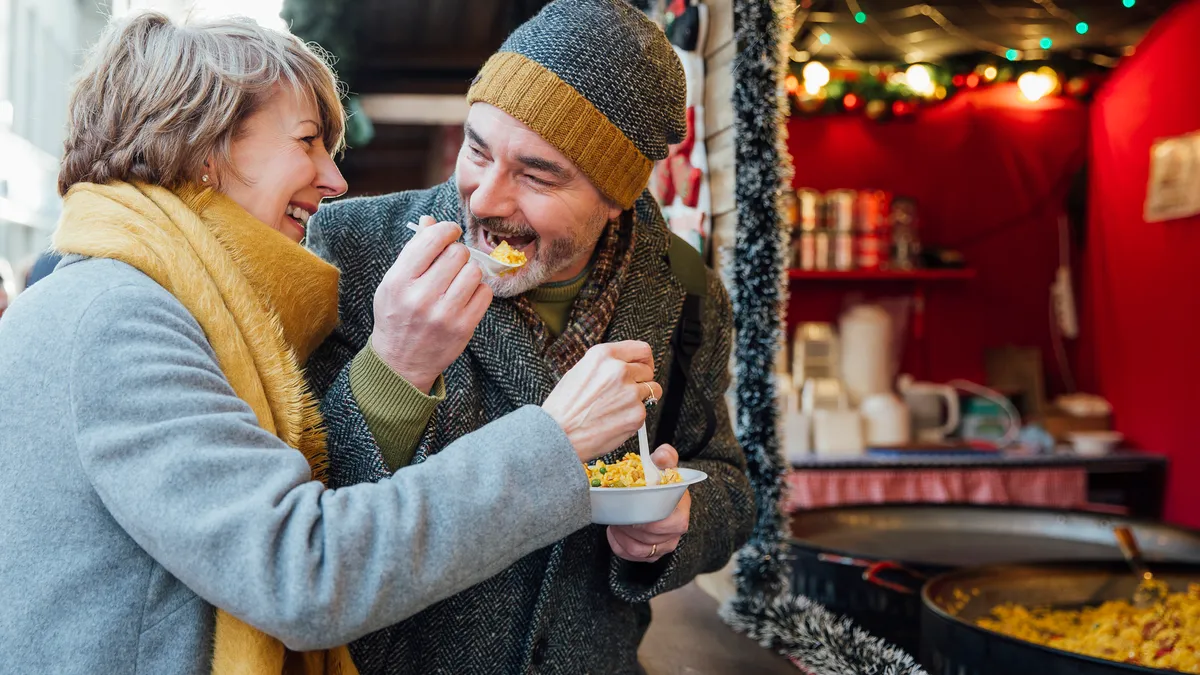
<point>204,178</point>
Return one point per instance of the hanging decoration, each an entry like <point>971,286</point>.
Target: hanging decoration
<point>827,78</point>
<point>757,290</point>
<point>882,91</point>
<point>680,182</point>
<point>818,641</point>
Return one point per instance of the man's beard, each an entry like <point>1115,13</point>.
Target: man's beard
<point>551,258</point>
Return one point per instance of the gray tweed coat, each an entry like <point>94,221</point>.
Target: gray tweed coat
<point>572,607</point>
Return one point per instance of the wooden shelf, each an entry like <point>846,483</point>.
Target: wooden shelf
<point>882,275</point>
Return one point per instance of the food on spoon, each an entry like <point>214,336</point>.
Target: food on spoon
<point>626,473</point>
<point>509,255</point>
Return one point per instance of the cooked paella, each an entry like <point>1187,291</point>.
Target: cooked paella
<point>626,473</point>
<point>1164,635</point>
<point>508,255</point>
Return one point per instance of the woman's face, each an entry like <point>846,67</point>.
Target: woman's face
<point>285,168</point>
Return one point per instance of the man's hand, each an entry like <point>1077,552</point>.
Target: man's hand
<point>428,304</point>
<point>647,543</point>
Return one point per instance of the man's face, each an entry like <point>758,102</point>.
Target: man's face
<point>516,187</point>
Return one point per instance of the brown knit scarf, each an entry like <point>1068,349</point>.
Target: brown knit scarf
<point>597,301</point>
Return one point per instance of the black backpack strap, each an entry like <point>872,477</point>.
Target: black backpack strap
<point>690,270</point>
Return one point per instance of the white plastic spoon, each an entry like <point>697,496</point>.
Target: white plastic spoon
<point>490,266</point>
<point>648,467</point>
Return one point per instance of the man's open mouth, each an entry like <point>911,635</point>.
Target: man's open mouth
<point>524,243</point>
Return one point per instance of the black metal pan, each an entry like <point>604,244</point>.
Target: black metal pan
<point>953,645</point>
<point>869,562</point>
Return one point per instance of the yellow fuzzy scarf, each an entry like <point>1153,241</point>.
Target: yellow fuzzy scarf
<point>264,303</point>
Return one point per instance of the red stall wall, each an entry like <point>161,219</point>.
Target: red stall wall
<point>1142,316</point>
<point>990,172</point>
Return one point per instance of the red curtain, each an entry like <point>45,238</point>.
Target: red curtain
<point>1142,317</point>
<point>990,172</point>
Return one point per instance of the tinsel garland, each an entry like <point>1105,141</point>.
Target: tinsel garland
<point>817,640</point>
<point>757,291</point>
<point>764,607</point>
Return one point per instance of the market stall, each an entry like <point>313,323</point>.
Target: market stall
<point>934,191</point>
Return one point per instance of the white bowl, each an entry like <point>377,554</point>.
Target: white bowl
<point>640,505</point>
<point>1095,443</point>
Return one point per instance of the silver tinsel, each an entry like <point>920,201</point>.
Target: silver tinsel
<point>764,608</point>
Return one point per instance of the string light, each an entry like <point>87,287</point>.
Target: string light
<point>919,78</point>
<point>1081,27</point>
<point>816,75</point>
<point>1129,3</point>
<point>990,73</point>
<point>860,17</point>
<point>825,38</point>
<point>1012,55</point>
<point>1035,85</point>
<point>1046,43</point>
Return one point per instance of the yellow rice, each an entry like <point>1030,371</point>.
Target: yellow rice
<point>626,473</point>
<point>1166,635</point>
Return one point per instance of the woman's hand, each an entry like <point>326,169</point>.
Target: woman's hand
<point>428,304</point>
<point>599,402</point>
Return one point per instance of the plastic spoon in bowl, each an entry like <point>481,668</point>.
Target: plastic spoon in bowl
<point>490,266</point>
<point>648,467</point>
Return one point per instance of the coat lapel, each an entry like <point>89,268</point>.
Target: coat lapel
<point>505,349</point>
<point>652,298</point>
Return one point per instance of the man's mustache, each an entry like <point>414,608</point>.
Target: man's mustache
<point>498,227</point>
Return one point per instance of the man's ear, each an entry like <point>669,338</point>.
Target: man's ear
<point>614,210</point>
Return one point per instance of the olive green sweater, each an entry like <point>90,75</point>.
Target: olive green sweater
<point>397,412</point>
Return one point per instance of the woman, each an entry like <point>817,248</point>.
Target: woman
<point>166,507</point>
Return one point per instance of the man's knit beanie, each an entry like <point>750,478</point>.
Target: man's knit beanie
<point>599,81</point>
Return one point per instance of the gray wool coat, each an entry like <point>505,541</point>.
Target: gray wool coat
<point>572,607</point>
<point>141,493</point>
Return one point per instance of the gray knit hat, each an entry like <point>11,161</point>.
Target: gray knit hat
<point>599,81</point>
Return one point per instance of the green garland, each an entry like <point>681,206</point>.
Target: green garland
<point>333,25</point>
<point>873,90</point>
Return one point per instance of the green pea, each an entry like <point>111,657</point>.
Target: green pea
<point>603,469</point>
<point>595,482</point>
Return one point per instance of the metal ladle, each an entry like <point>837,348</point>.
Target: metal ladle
<point>1147,594</point>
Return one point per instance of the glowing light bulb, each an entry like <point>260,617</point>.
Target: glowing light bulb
<point>1012,55</point>
<point>792,84</point>
<point>920,79</point>
<point>1081,27</point>
<point>825,38</point>
<point>861,17</point>
<point>1034,86</point>
<point>1046,43</point>
<point>1051,78</point>
<point>1129,3</point>
<point>990,73</point>
<point>816,75</point>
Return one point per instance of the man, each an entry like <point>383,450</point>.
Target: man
<point>564,125</point>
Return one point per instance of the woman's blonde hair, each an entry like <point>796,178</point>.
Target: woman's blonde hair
<point>156,99</point>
